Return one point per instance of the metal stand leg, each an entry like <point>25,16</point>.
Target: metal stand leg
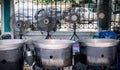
<point>48,36</point>
<point>74,34</point>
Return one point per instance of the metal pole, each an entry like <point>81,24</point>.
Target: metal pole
<point>104,14</point>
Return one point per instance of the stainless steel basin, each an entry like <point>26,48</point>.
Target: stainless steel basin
<point>10,44</point>
<point>98,51</point>
<point>53,52</point>
<point>11,54</point>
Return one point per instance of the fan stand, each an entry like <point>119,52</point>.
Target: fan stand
<point>20,34</point>
<point>74,36</point>
<point>48,35</point>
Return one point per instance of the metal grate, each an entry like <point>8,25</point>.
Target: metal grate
<point>115,19</point>
<point>28,8</point>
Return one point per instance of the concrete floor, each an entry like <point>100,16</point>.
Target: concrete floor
<point>78,66</point>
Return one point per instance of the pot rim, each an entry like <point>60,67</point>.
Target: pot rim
<point>99,42</point>
<point>53,43</point>
<point>10,44</point>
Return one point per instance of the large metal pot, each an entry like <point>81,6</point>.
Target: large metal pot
<point>53,53</point>
<point>11,54</point>
<point>98,51</point>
